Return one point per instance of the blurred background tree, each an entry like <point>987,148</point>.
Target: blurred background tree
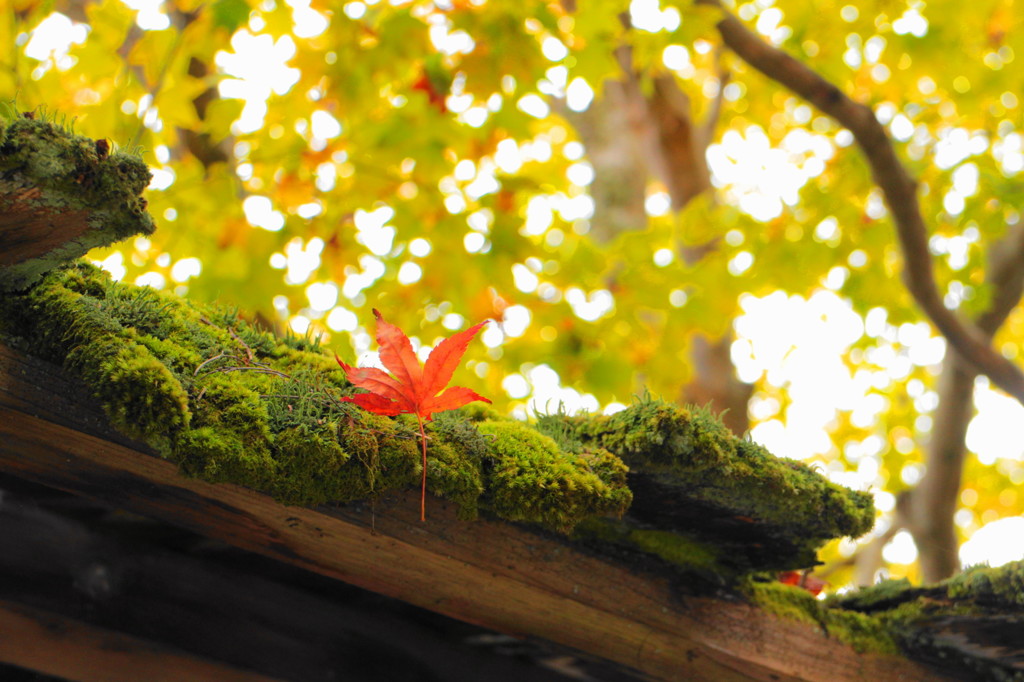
<point>637,207</point>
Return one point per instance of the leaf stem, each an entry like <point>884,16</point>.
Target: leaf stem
<point>423,492</point>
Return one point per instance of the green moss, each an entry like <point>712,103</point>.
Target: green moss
<point>135,389</point>
<point>697,564</point>
<point>208,453</point>
<point>479,412</point>
<point>965,623</point>
<point>863,633</point>
<point>314,453</point>
<point>239,417</point>
<point>699,473</point>
<point>530,478</point>
<point>48,173</point>
<point>231,403</point>
<point>455,461</point>
<point>387,455</point>
<point>786,601</point>
<point>884,594</point>
<point>451,474</point>
<point>675,548</point>
<point>978,587</point>
<point>1001,587</point>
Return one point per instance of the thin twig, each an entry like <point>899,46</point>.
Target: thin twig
<point>248,350</point>
<point>258,370</point>
<point>204,363</point>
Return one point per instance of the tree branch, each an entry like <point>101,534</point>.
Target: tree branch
<point>898,188</point>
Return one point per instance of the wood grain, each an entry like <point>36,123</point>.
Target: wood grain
<point>56,645</point>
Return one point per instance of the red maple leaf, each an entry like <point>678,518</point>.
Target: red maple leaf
<point>411,388</point>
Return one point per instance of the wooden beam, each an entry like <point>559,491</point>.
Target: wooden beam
<point>56,645</point>
<point>499,575</point>
<point>92,568</point>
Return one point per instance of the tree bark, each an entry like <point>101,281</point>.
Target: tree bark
<point>934,501</point>
<point>617,135</point>
<point>632,138</point>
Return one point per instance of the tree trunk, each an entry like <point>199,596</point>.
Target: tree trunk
<point>934,501</point>
<point>631,139</point>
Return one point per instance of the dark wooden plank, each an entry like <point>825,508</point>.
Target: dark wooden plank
<point>103,568</point>
<point>56,645</point>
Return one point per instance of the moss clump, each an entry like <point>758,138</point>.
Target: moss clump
<point>226,401</point>
<point>676,549</point>
<point>878,597</point>
<point>969,624</point>
<point>135,389</point>
<point>234,415</point>
<point>456,453</point>
<point>863,633</point>
<point>700,562</point>
<point>1000,587</point>
<point>231,403</point>
<point>978,587</point>
<point>49,175</point>
<point>692,476</point>
<point>530,478</point>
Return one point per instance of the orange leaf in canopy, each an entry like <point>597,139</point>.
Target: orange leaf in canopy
<point>411,388</point>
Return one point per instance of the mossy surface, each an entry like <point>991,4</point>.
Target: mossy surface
<point>702,564</point>
<point>971,625</point>
<point>693,477</point>
<point>231,403</point>
<point>863,633</point>
<point>979,587</point>
<point>531,478</point>
<point>50,176</point>
<point>1000,587</point>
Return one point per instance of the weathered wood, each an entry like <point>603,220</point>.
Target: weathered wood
<point>495,574</point>
<point>61,646</point>
<point>101,568</point>
<point>27,232</point>
<point>62,194</point>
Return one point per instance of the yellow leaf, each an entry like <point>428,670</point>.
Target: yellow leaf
<point>153,52</point>
<point>110,22</point>
<point>220,114</point>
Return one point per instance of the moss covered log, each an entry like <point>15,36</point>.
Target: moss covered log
<point>971,625</point>
<point>62,194</point>
<point>231,403</point>
<point>705,496</point>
